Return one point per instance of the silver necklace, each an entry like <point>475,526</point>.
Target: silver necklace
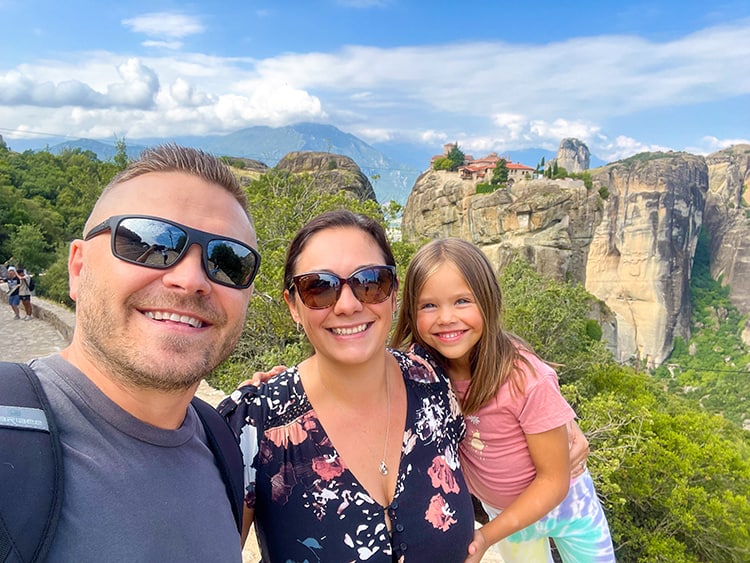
<point>383,467</point>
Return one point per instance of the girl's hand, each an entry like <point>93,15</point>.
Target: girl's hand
<point>263,376</point>
<point>477,547</point>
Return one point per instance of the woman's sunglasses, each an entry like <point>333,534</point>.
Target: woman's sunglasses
<point>320,290</point>
<point>157,243</point>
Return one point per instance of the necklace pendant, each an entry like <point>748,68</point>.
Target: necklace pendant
<point>383,468</point>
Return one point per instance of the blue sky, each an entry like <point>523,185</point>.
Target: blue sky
<point>495,76</point>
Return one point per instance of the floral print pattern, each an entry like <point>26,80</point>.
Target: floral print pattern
<point>310,507</point>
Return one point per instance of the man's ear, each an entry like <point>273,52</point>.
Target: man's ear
<point>75,264</point>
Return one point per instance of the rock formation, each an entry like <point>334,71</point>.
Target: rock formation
<point>330,173</point>
<point>727,219</point>
<point>640,258</point>
<point>548,222</point>
<point>573,155</point>
<point>632,249</point>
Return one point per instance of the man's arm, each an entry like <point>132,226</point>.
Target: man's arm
<point>579,449</point>
<point>248,516</point>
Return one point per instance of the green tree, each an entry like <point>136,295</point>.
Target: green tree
<point>442,163</point>
<point>674,480</point>
<point>500,173</point>
<point>54,284</point>
<point>552,317</point>
<point>540,166</point>
<point>121,159</point>
<point>456,156</point>
<point>29,247</point>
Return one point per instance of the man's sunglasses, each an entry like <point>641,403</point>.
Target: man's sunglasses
<point>157,243</point>
<point>320,290</point>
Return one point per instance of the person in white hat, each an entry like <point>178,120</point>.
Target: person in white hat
<point>14,298</point>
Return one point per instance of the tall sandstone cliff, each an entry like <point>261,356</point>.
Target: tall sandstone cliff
<point>573,155</point>
<point>640,258</point>
<point>632,249</point>
<point>727,218</point>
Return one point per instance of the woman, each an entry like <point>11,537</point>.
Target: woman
<point>352,454</point>
<point>14,287</point>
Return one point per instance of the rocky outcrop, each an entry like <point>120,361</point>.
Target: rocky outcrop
<point>727,219</point>
<point>640,259</point>
<point>249,164</point>
<point>330,173</point>
<point>632,248</point>
<point>548,222</point>
<point>573,155</point>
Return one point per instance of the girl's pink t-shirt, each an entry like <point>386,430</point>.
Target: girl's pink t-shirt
<point>495,458</point>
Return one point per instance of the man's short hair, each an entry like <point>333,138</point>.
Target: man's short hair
<point>175,158</point>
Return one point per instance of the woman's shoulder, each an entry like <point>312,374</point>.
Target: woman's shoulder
<point>270,396</point>
<point>418,366</point>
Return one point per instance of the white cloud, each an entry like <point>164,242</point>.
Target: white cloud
<point>374,135</point>
<point>600,76</point>
<point>135,86</point>
<point>172,45</point>
<point>165,24</point>
<point>430,137</point>
<point>505,96</point>
<point>183,94</point>
<point>711,144</point>
<point>138,87</point>
<point>623,147</point>
<point>269,104</point>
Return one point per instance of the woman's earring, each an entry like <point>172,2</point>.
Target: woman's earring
<point>299,328</point>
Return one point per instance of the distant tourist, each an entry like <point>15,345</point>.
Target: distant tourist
<point>25,290</point>
<point>14,297</point>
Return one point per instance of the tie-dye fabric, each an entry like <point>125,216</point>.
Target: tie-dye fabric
<point>577,525</point>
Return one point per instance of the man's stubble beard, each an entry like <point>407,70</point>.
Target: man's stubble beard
<point>106,343</point>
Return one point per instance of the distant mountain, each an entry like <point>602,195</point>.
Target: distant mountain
<point>391,179</point>
<point>104,151</point>
<point>391,167</point>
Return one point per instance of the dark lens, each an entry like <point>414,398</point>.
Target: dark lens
<point>149,241</point>
<point>372,285</point>
<point>230,263</point>
<point>317,291</point>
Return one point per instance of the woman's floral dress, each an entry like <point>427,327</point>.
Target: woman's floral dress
<point>310,507</point>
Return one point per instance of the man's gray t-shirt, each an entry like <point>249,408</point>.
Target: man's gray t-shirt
<point>132,491</point>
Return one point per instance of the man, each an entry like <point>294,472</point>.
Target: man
<point>24,292</point>
<point>140,482</point>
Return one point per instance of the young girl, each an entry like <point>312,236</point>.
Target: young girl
<point>515,453</point>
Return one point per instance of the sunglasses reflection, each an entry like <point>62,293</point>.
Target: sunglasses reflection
<point>157,243</point>
<point>153,249</point>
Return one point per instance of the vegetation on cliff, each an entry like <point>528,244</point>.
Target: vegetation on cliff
<point>674,478</point>
<point>713,367</point>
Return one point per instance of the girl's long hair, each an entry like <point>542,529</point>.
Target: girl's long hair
<point>495,356</point>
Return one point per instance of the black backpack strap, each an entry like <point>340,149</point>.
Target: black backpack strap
<point>31,470</point>
<point>226,449</point>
